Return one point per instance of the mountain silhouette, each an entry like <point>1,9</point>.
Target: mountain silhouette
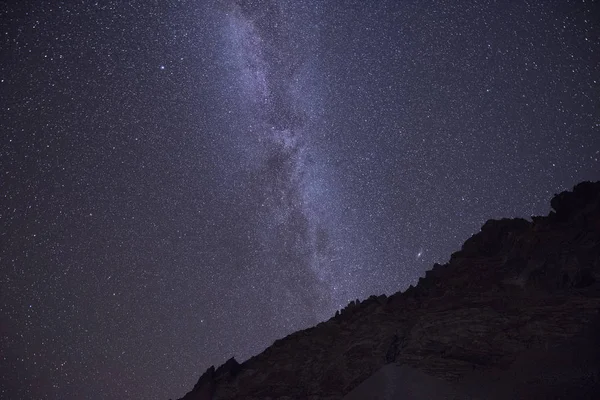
<point>514,314</point>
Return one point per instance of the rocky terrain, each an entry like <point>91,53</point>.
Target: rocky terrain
<point>513,314</point>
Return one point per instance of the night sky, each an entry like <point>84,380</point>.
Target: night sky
<point>186,181</point>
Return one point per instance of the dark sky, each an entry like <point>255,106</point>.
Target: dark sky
<point>186,181</point>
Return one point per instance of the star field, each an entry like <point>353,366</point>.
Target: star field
<point>187,181</point>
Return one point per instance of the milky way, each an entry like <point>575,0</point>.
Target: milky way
<point>271,53</point>
<point>186,181</point>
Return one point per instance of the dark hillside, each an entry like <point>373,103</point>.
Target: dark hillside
<point>513,314</point>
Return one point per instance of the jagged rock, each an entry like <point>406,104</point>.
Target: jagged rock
<point>508,312</point>
<point>231,367</point>
<point>567,204</point>
<point>204,388</point>
<point>493,236</point>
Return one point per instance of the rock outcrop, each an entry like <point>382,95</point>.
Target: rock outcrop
<point>516,308</point>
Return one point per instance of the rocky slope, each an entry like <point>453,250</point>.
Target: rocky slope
<point>514,309</point>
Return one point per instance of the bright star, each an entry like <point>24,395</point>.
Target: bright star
<point>420,253</point>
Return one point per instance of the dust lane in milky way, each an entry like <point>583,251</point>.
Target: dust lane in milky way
<point>271,56</point>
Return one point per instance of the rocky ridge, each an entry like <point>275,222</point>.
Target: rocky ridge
<point>514,288</point>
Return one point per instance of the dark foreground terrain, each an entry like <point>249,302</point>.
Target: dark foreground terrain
<point>513,315</point>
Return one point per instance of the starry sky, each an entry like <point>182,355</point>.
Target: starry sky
<point>185,181</point>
